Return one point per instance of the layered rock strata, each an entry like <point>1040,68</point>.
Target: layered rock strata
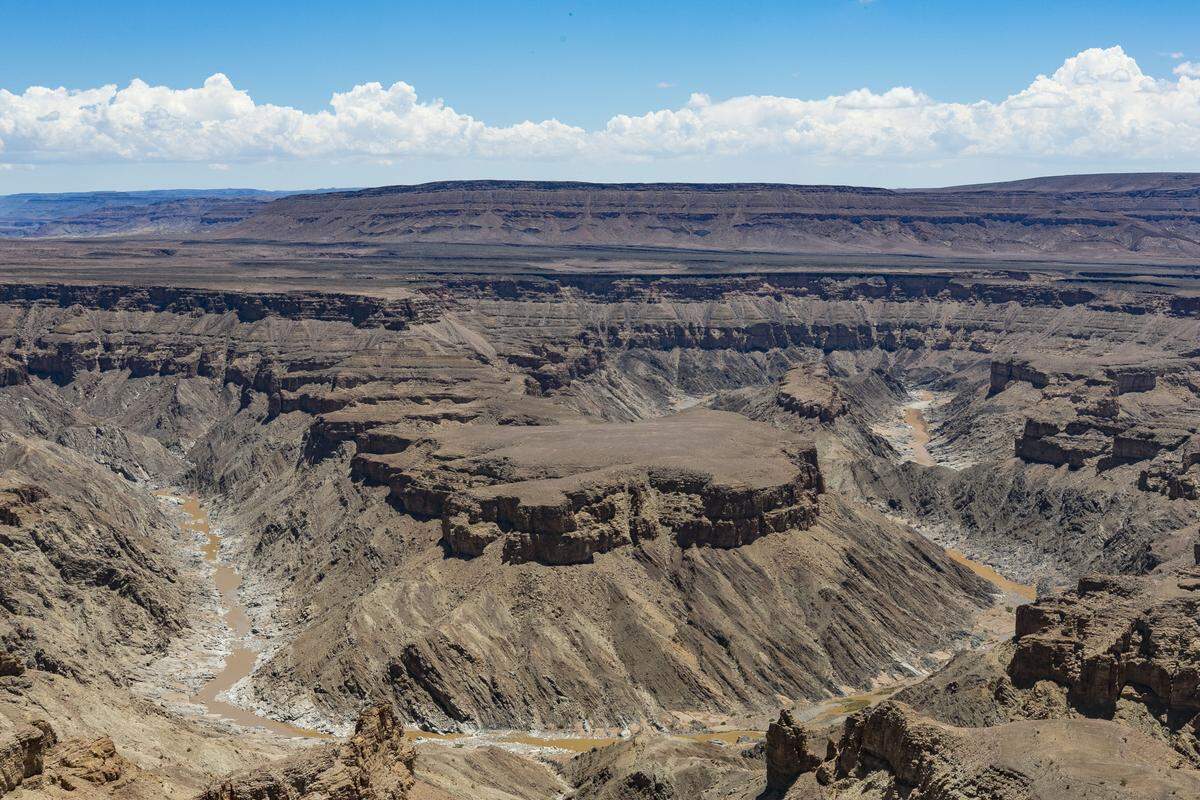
<point>1109,220</point>
<point>890,751</point>
<point>1114,635</point>
<point>788,753</point>
<point>561,494</point>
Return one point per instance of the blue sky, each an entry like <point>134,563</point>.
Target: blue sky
<point>580,64</point>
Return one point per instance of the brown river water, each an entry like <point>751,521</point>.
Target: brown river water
<point>240,661</point>
<point>914,418</point>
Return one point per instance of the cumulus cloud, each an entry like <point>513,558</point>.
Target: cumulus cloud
<point>1099,104</point>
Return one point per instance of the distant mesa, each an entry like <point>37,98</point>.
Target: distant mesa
<point>1151,216</point>
<point>1135,216</point>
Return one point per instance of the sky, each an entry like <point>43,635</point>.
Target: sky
<point>137,95</point>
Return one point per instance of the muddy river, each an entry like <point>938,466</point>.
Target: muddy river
<point>241,659</point>
<point>914,418</point>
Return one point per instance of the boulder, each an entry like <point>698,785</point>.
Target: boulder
<point>787,753</point>
<point>23,752</point>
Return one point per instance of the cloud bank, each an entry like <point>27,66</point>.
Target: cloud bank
<point>1098,105</point>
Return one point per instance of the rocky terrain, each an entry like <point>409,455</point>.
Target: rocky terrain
<point>561,521</point>
<point>1095,696</point>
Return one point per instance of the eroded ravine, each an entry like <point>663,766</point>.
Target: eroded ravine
<point>240,661</point>
<point>917,439</point>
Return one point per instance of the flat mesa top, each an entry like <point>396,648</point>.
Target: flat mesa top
<point>728,447</point>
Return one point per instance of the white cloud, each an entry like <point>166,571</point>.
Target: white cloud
<point>664,85</point>
<point>1098,105</point>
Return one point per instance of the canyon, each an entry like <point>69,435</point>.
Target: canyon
<point>520,491</point>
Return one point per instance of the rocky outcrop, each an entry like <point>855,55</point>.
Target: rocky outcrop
<point>1087,417</point>
<point>23,752</point>
<point>1099,687</point>
<point>620,510</point>
<point>914,750</point>
<point>892,751</point>
<point>1116,637</point>
<point>1133,379</point>
<point>81,763</point>
<point>1004,372</point>
<point>809,392</point>
<point>653,766</point>
<point>1041,443</point>
<point>374,764</point>
<point>1176,476</point>
<point>1141,444</point>
<point>1041,372</point>
<point>788,753</point>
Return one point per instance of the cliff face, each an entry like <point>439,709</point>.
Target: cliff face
<point>561,494</point>
<point>358,310</point>
<point>23,752</point>
<point>1113,636</point>
<point>1114,221</point>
